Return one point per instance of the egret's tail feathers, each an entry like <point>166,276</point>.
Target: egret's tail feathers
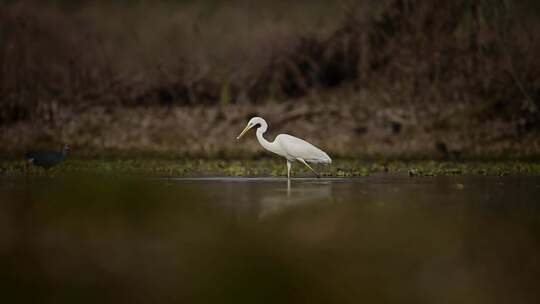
<point>321,160</point>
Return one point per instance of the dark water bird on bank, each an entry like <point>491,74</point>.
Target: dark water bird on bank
<point>46,159</point>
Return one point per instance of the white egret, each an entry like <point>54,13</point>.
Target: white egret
<point>290,147</point>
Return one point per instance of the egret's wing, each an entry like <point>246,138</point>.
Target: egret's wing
<point>295,148</point>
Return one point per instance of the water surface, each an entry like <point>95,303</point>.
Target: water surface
<point>377,239</point>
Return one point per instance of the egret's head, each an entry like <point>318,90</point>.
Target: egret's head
<point>252,123</point>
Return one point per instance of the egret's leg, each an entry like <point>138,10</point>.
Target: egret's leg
<point>304,162</point>
<point>288,169</point>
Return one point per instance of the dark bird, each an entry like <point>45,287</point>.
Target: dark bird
<point>46,159</point>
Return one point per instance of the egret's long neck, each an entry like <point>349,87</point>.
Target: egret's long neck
<point>270,146</point>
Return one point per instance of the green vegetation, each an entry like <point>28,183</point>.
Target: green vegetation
<point>271,167</point>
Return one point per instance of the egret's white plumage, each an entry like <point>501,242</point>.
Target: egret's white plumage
<point>288,146</point>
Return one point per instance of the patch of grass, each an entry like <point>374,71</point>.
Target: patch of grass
<point>270,167</point>
<point>501,168</point>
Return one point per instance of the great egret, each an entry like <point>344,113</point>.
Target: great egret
<point>290,147</point>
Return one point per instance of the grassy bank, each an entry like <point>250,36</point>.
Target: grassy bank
<point>355,128</point>
<point>270,167</point>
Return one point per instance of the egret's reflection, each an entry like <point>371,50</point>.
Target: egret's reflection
<point>288,187</point>
<point>296,193</point>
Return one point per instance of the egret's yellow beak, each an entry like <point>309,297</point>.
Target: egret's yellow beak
<point>244,131</point>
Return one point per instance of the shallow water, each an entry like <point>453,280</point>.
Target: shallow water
<point>261,195</point>
<point>377,239</point>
